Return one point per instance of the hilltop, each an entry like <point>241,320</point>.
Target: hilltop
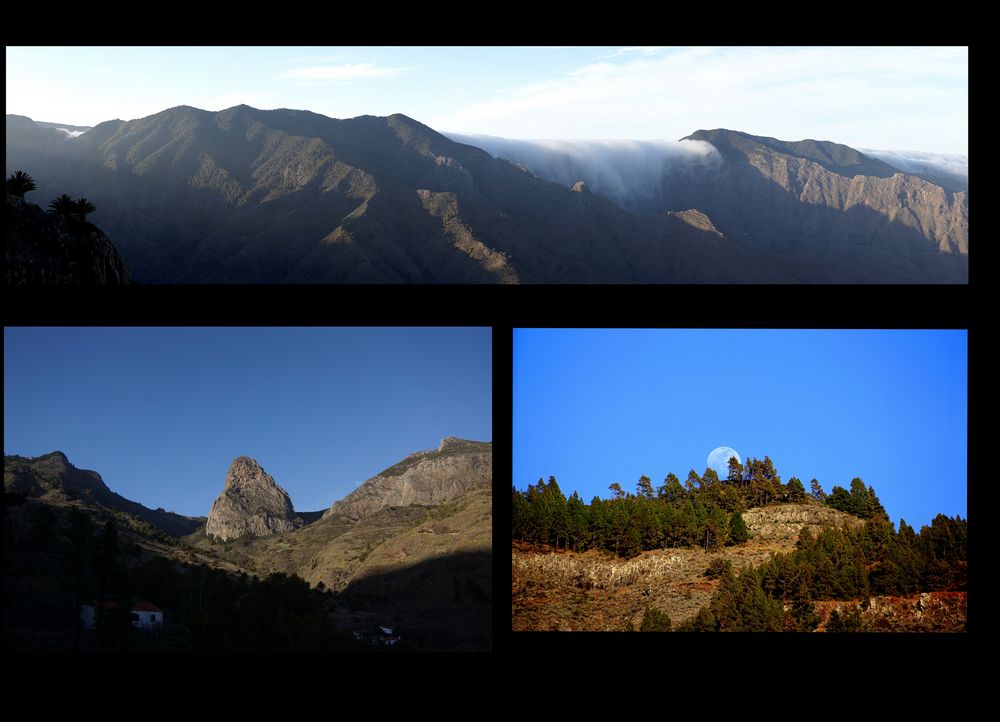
<point>746,553</point>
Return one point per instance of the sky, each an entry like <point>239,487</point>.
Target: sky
<point>160,413</point>
<point>890,98</point>
<point>593,406</point>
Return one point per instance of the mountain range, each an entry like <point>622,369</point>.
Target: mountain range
<point>416,548</point>
<point>289,196</point>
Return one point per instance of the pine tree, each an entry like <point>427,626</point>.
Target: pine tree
<point>795,492</point>
<point>735,476</point>
<point>816,491</point>
<point>579,523</point>
<point>644,488</point>
<point>840,499</point>
<point>704,621</point>
<point>655,620</point>
<point>860,505</point>
<point>877,508</point>
<point>738,532</point>
<point>805,540</point>
<point>671,490</point>
<point>519,514</point>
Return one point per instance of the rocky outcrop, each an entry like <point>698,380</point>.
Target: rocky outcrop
<point>251,504</point>
<point>783,522</point>
<point>45,249</point>
<point>425,477</point>
<point>697,219</point>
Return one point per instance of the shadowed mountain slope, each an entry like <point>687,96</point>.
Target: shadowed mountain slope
<point>289,196</point>
<point>54,479</point>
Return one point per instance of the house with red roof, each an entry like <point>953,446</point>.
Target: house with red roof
<point>143,614</point>
<point>147,616</point>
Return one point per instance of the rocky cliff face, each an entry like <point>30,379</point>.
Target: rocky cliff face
<point>425,477</point>
<point>827,213</point>
<point>43,249</point>
<point>251,504</point>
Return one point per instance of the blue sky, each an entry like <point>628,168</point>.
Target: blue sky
<point>592,407</point>
<point>161,412</point>
<point>893,98</point>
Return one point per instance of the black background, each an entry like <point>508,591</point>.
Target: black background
<point>523,664</point>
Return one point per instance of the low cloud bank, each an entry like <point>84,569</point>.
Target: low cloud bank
<point>627,171</point>
<point>72,133</point>
<point>929,164</point>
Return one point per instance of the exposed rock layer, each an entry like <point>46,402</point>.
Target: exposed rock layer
<point>425,477</point>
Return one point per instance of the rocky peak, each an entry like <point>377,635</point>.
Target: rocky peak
<point>450,441</point>
<point>57,457</point>
<point>251,504</point>
<point>246,470</point>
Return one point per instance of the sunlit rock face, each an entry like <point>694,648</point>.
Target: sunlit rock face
<point>251,504</point>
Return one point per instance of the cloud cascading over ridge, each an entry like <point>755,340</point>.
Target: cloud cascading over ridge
<point>860,96</point>
<point>933,165</point>
<point>627,171</point>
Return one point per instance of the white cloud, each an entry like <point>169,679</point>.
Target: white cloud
<point>915,161</point>
<point>340,73</point>
<point>858,96</point>
<point>627,171</point>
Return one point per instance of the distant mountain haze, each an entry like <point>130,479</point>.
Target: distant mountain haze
<point>287,196</point>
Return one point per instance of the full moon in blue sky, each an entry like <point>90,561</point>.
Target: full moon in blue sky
<point>719,460</point>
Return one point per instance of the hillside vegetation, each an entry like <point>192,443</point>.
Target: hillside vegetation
<point>747,553</point>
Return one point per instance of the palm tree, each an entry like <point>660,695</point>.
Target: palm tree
<point>83,207</point>
<point>64,206</point>
<point>20,183</point>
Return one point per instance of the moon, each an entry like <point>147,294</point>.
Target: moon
<point>719,460</point>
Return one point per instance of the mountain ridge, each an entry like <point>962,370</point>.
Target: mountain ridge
<point>424,477</point>
<point>291,196</point>
<point>53,476</point>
